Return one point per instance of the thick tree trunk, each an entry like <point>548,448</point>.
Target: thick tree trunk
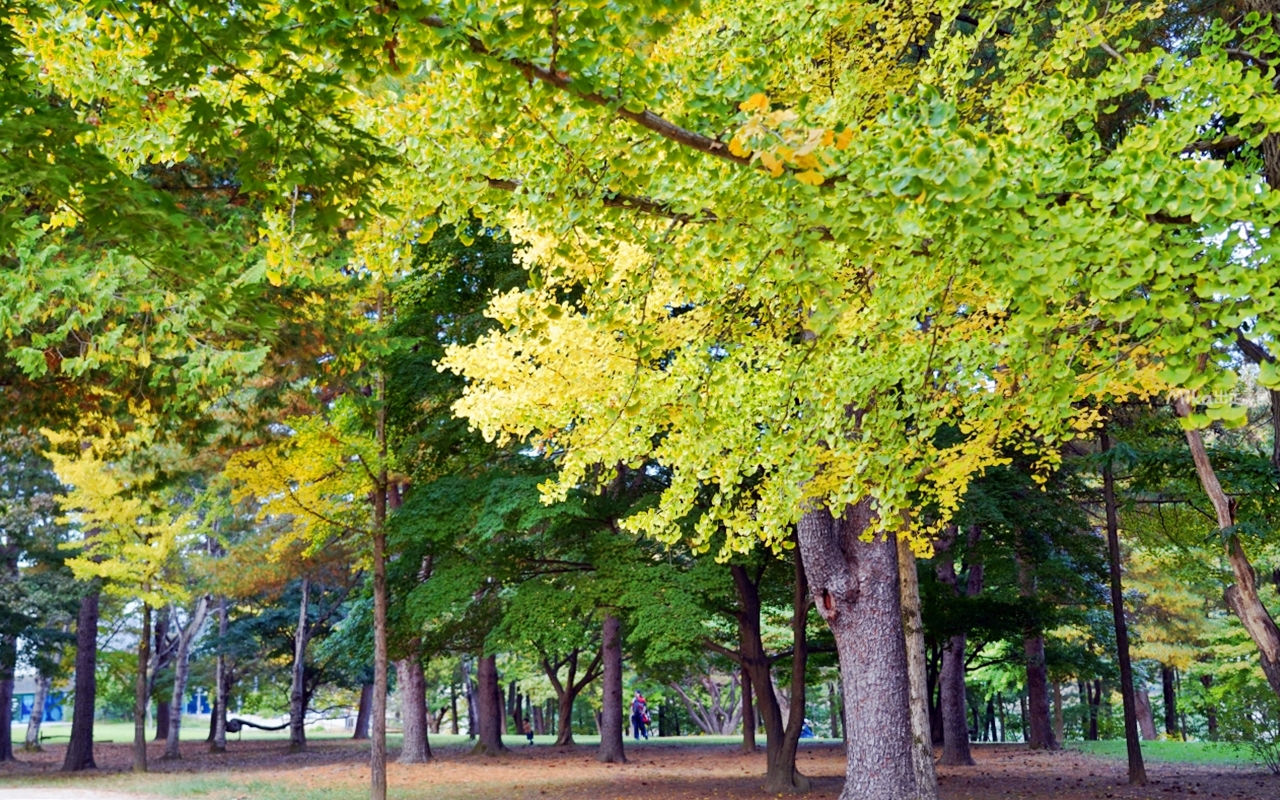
<point>162,716</point>
<point>140,694</point>
<point>955,726</point>
<point>1169,686</point>
<point>917,668</point>
<point>1039,713</point>
<point>564,718</point>
<point>489,707</point>
<point>181,669</point>
<point>1242,597</point>
<point>32,740</point>
<point>1137,770</point>
<point>413,710</point>
<point>8,659</point>
<point>79,755</point>
<point>611,747</point>
<point>855,587</point>
<point>297,688</point>
<point>363,712</point>
<point>221,688</point>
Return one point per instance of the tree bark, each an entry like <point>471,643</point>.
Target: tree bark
<point>297,689</point>
<point>854,584</point>
<point>363,712</point>
<point>780,775</point>
<point>611,746</point>
<point>8,659</point>
<point>378,748</point>
<point>954,700</point>
<point>1242,597</point>
<point>453,708</point>
<point>221,688</point>
<point>159,663</point>
<point>32,739</point>
<point>181,668</point>
<point>140,694</point>
<point>748,714</point>
<point>79,755</point>
<point>1137,770</point>
<point>1058,722</point>
<point>1168,684</point>
<point>917,668</point>
<point>833,711</point>
<point>1146,720</point>
<point>1039,712</point>
<point>489,707</point>
<point>413,710</point>
<point>473,716</point>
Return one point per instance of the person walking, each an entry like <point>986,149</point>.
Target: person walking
<point>639,717</point>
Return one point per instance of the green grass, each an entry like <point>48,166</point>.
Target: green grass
<point>1209,753</point>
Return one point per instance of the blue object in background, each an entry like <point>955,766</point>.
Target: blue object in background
<point>199,702</point>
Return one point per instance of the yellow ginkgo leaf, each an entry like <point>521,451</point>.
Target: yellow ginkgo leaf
<point>757,102</point>
<point>810,177</point>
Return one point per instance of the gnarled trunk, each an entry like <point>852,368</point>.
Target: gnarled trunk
<point>611,748</point>
<point>854,584</point>
<point>79,755</point>
<point>489,707</point>
<point>413,710</point>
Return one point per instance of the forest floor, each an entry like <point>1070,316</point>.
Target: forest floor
<point>663,770</point>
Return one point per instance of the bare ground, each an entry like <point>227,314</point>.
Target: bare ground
<point>655,771</point>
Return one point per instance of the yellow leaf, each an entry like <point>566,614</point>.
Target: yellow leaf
<point>844,138</point>
<point>771,163</point>
<point>738,147</point>
<point>810,177</point>
<point>757,102</point>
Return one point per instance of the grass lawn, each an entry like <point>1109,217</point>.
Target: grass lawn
<point>1208,753</point>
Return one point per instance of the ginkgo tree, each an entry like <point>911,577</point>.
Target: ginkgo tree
<point>779,249</point>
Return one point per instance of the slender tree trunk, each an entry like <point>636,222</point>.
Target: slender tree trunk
<point>32,740</point>
<point>221,688</point>
<point>473,711</point>
<point>611,747</point>
<point>833,711</point>
<point>489,707</point>
<point>564,717</point>
<point>453,708</point>
<point>79,755</point>
<point>140,694</point>
<point>1167,683</point>
<point>748,715</point>
<point>378,750</point>
<point>363,712</point>
<point>1058,732</point>
<point>855,587</point>
<point>8,660</point>
<point>917,668</point>
<point>181,669</point>
<point>159,663</point>
<point>1211,711</point>
<point>1242,597</point>
<point>1095,704</point>
<point>413,710</point>
<point>955,728</point>
<point>1137,770</point>
<point>297,689</point>
<point>780,776</point>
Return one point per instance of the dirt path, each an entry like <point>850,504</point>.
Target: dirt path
<point>690,772</point>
